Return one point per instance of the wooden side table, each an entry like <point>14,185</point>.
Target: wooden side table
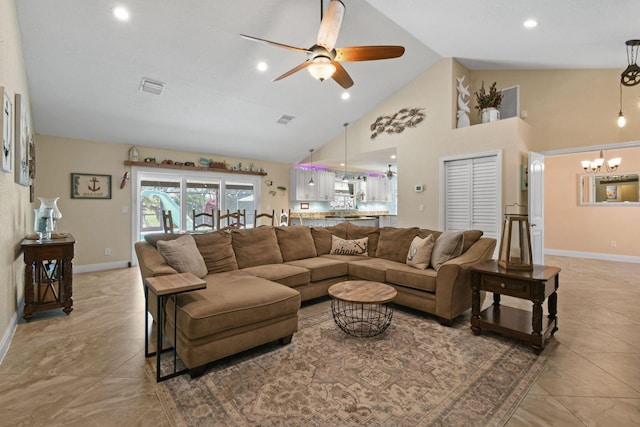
<point>48,274</point>
<point>535,286</point>
<point>167,286</point>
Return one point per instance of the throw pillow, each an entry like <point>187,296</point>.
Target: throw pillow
<point>447,246</point>
<point>256,246</point>
<point>359,232</point>
<point>420,252</point>
<point>154,238</point>
<point>322,236</point>
<point>182,254</point>
<point>348,247</point>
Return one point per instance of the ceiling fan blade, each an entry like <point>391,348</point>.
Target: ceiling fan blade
<point>330,25</point>
<point>368,53</point>
<point>304,65</point>
<point>341,76</point>
<point>256,39</point>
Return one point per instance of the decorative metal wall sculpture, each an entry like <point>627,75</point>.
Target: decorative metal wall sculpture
<point>396,123</point>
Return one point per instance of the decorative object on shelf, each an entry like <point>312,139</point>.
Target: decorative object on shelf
<point>631,75</point>
<point>515,245</point>
<point>7,131</point>
<point>22,138</point>
<point>621,120</point>
<point>149,159</point>
<point>397,122</point>
<point>345,178</point>
<point>90,186</point>
<point>595,165</point>
<point>323,60</point>
<point>311,179</point>
<point>463,103</point>
<point>488,103</point>
<point>188,163</point>
<point>133,153</point>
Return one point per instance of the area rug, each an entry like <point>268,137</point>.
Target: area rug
<point>417,373</point>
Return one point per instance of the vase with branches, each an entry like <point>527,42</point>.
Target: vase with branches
<point>490,99</point>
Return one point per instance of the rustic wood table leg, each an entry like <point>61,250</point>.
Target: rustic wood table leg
<point>475,304</point>
<point>536,335</point>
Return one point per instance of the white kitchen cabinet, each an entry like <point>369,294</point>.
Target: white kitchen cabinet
<point>300,188</point>
<point>378,190</point>
<point>324,186</point>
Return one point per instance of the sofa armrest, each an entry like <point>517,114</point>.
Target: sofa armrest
<point>453,283</point>
<point>151,262</point>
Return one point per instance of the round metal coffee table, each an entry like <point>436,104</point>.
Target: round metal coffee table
<point>362,308</point>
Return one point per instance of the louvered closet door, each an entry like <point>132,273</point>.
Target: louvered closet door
<point>471,195</point>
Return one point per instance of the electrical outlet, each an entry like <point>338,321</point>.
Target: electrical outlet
<point>613,243</point>
<point>107,251</point>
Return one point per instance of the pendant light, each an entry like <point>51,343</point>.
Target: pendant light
<point>311,179</point>
<point>621,120</point>
<point>345,178</point>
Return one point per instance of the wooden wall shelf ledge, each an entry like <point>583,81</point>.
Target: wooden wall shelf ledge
<point>190,168</point>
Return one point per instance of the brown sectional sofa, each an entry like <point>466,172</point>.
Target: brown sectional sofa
<point>256,279</point>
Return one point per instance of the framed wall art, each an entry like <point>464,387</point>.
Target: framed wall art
<point>22,136</point>
<point>90,186</point>
<point>7,131</point>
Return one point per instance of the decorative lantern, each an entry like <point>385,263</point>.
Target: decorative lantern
<point>515,246</point>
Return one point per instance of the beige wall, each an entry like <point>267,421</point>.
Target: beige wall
<point>15,210</point>
<point>99,224</point>
<point>570,227</point>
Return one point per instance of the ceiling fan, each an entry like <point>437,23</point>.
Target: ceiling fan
<point>390,173</point>
<point>323,58</point>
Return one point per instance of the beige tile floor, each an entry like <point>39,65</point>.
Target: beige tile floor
<point>87,369</point>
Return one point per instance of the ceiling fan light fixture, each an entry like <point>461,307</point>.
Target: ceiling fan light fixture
<point>322,68</point>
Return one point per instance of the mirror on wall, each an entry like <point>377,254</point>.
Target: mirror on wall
<point>619,189</point>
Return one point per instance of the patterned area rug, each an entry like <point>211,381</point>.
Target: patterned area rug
<point>417,373</point>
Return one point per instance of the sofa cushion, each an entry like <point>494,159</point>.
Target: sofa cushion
<point>288,275</point>
<point>404,275</point>
<point>420,252</point>
<point>232,300</point>
<point>447,246</point>
<point>182,254</point>
<point>394,243</point>
<point>322,268</point>
<point>469,238</point>
<point>295,243</point>
<point>217,251</point>
<point>359,232</point>
<point>373,269</point>
<point>425,232</point>
<point>154,238</point>
<point>322,236</point>
<point>256,246</point>
<point>348,247</point>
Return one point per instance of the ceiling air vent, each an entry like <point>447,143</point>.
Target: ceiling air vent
<point>285,119</point>
<point>151,86</point>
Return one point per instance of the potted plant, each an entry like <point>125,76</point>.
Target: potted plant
<point>488,103</point>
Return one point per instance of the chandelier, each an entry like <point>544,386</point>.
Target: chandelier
<point>594,166</point>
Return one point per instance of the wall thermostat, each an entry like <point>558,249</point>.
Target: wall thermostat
<point>419,188</point>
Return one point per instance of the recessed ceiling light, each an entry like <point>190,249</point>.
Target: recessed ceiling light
<point>262,66</point>
<point>345,95</point>
<point>530,23</point>
<point>393,156</point>
<point>121,13</point>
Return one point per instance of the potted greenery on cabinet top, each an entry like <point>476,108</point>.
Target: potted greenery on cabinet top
<point>488,103</point>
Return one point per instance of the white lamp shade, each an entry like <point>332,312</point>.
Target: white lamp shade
<point>322,68</point>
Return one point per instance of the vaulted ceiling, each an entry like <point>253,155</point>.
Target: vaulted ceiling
<point>84,67</point>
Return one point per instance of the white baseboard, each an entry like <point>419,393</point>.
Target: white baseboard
<point>594,255</point>
<point>8,334</point>
<point>89,268</point>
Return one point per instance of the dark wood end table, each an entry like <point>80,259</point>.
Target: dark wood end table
<point>167,286</point>
<point>535,286</point>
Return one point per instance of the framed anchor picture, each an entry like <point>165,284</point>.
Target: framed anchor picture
<point>90,186</point>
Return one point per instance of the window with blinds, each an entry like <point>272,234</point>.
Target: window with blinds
<point>471,191</point>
